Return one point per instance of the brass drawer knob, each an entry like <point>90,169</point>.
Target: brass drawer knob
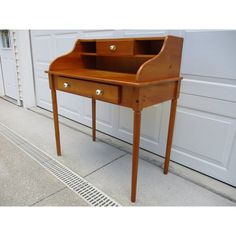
<point>113,47</point>
<point>99,92</point>
<point>66,85</point>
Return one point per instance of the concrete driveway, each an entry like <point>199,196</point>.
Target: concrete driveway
<point>104,164</point>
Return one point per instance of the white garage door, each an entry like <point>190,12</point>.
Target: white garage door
<point>206,117</point>
<point>205,134</point>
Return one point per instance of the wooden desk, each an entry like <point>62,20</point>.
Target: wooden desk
<point>130,72</point>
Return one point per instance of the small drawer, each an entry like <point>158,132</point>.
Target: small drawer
<point>99,91</point>
<point>115,47</point>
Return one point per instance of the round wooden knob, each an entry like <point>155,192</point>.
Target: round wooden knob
<point>99,92</point>
<point>112,47</point>
<point>66,85</point>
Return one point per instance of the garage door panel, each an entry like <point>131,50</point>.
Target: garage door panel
<point>125,114</point>
<point>43,49</point>
<point>143,33</point>
<point>40,68</point>
<point>64,43</point>
<point>210,53</point>
<point>103,112</point>
<point>67,102</point>
<point>151,122</point>
<point>222,171</point>
<point>152,125</point>
<point>43,94</point>
<point>199,87</point>
<point>62,33</point>
<point>209,105</point>
<point>98,34</point>
<point>36,33</point>
<point>212,134</point>
<point>9,73</point>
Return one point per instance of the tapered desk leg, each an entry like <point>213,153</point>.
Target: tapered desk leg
<point>55,118</point>
<point>136,140</point>
<point>94,118</point>
<point>170,134</point>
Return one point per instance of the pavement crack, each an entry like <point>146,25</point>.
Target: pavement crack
<point>105,165</point>
<point>48,196</point>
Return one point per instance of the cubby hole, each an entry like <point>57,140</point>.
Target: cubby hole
<point>123,64</point>
<point>88,47</point>
<point>113,64</point>
<point>148,47</point>
<point>88,62</point>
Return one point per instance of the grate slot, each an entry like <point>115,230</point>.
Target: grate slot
<point>11,136</point>
<point>41,157</point>
<point>78,184</point>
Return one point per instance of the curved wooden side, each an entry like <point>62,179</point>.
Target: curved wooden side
<point>67,61</point>
<point>166,64</point>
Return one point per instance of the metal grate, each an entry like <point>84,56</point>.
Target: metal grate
<point>76,183</point>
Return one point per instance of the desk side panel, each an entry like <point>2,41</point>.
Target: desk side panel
<point>166,64</point>
<point>127,96</point>
<point>159,93</point>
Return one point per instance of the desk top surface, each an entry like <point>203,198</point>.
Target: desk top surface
<point>108,77</point>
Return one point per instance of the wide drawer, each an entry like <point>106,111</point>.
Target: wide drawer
<point>99,91</point>
<point>115,47</point>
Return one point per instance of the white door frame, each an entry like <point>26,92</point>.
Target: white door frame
<point>26,68</point>
<point>23,44</point>
<point>2,87</point>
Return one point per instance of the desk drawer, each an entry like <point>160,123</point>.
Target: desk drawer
<point>115,47</point>
<point>100,91</point>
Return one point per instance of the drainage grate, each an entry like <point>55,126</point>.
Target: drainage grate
<point>78,184</point>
